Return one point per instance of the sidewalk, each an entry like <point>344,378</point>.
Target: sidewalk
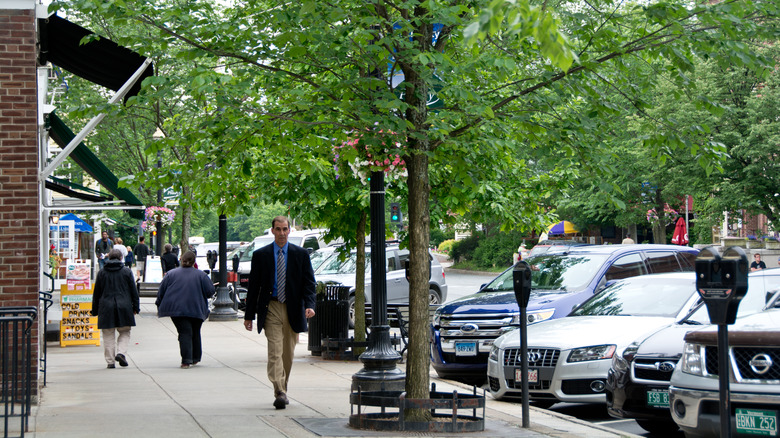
<point>228,394</point>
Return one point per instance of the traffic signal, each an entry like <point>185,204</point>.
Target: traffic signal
<point>395,212</point>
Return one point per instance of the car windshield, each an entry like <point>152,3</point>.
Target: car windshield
<point>640,296</point>
<point>554,272</point>
<point>760,288</point>
<point>320,256</point>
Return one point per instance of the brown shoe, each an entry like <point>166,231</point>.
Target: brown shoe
<point>281,402</point>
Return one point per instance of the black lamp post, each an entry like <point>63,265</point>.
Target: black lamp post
<point>223,305</point>
<point>379,371</point>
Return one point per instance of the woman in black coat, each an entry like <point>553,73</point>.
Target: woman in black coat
<point>168,259</point>
<point>115,301</point>
<point>183,295</point>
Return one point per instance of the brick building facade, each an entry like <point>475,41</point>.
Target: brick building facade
<point>19,198</point>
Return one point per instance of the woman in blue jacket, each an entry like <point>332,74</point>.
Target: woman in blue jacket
<point>183,295</point>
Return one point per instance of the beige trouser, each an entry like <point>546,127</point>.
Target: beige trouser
<point>112,344</point>
<point>281,345</point>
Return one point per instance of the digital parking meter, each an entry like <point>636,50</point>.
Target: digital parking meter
<point>521,282</point>
<point>235,262</point>
<point>211,258</point>
<point>722,282</point>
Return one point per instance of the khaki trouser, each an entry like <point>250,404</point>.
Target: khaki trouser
<point>281,345</point>
<point>112,344</point>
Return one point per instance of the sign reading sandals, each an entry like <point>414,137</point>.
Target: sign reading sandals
<point>77,326</point>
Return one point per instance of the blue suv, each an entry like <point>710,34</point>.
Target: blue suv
<point>462,331</point>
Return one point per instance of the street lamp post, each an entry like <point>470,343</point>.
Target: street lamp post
<point>379,372</point>
<point>158,134</point>
<point>223,305</point>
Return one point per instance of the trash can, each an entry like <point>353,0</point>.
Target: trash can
<point>331,319</point>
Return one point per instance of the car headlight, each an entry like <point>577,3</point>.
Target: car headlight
<point>692,359</point>
<point>595,352</point>
<point>493,353</point>
<point>534,317</point>
<point>436,319</point>
<point>622,362</point>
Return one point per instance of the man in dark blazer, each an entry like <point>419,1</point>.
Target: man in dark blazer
<point>281,302</point>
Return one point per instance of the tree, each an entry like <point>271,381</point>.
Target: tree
<point>298,77</point>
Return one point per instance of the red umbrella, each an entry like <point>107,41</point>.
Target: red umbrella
<point>680,236</point>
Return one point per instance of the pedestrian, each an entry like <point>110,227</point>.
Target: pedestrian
<point>757,264</point>
<point>129,258</point>
<point>102,247</point>
<point>118,244</point>
<point>168,259</point>
<point>115,301</point>
<point>628,240</point>
<point>141,252</point>
<point>281,292</point>
<point>183,295</point>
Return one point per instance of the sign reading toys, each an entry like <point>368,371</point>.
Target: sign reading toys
<point>77,326</point>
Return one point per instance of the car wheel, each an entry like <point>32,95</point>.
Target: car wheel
<point>434,297</point>
<point>658,426</point>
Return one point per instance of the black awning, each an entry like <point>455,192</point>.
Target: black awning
<point>101,60</point>
<point>73,190</point>
<point>88,161</point>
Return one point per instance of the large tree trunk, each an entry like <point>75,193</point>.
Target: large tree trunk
<point>418,352</point>
<point>360,284</point>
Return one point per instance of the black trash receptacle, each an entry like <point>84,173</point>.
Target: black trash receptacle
<point>331,319</point>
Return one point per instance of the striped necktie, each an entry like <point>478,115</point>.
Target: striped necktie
<point>281,276</point>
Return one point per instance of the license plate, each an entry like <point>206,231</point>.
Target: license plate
<point>465,349</point>
<point>756,422</point>
<point>658,398</point>
<point>533,375</point>
<point>242,295</point>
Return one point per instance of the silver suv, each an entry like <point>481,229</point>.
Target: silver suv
<point>754,380</point>
<point>343,270</point>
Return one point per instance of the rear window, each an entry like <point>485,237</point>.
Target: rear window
<point>662,261</point>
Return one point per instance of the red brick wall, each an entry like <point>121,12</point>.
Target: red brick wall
<point>19,246</point>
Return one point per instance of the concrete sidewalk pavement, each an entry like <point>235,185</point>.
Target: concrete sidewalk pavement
<point>228,394</point>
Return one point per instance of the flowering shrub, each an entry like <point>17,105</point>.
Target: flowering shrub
<point>669,212</point>
<point>361,157</point>
<point>152,215</point>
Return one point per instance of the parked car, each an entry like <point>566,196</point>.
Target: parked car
<point>638,380</point>
<point>463,330</point>
<point>754,380</point>
<point>344,269</point>
<point>569,357</point>
<point>545,246</point>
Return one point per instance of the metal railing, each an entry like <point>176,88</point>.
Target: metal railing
<point>16,323</point>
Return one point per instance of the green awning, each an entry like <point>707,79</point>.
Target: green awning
<point>84,157</point>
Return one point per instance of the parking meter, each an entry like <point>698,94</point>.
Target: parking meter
<point>521,282</point>
<point>722,282</point>
<point>211,258</point>
<point>521,278</point>
<point>235,262</point>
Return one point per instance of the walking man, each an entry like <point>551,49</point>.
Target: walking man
<point>141,252</point>
<point>281,292</point>
<point>102,247</point>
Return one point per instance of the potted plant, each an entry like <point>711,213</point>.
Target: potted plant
<point>771,242</point>
<point>754,242</point>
